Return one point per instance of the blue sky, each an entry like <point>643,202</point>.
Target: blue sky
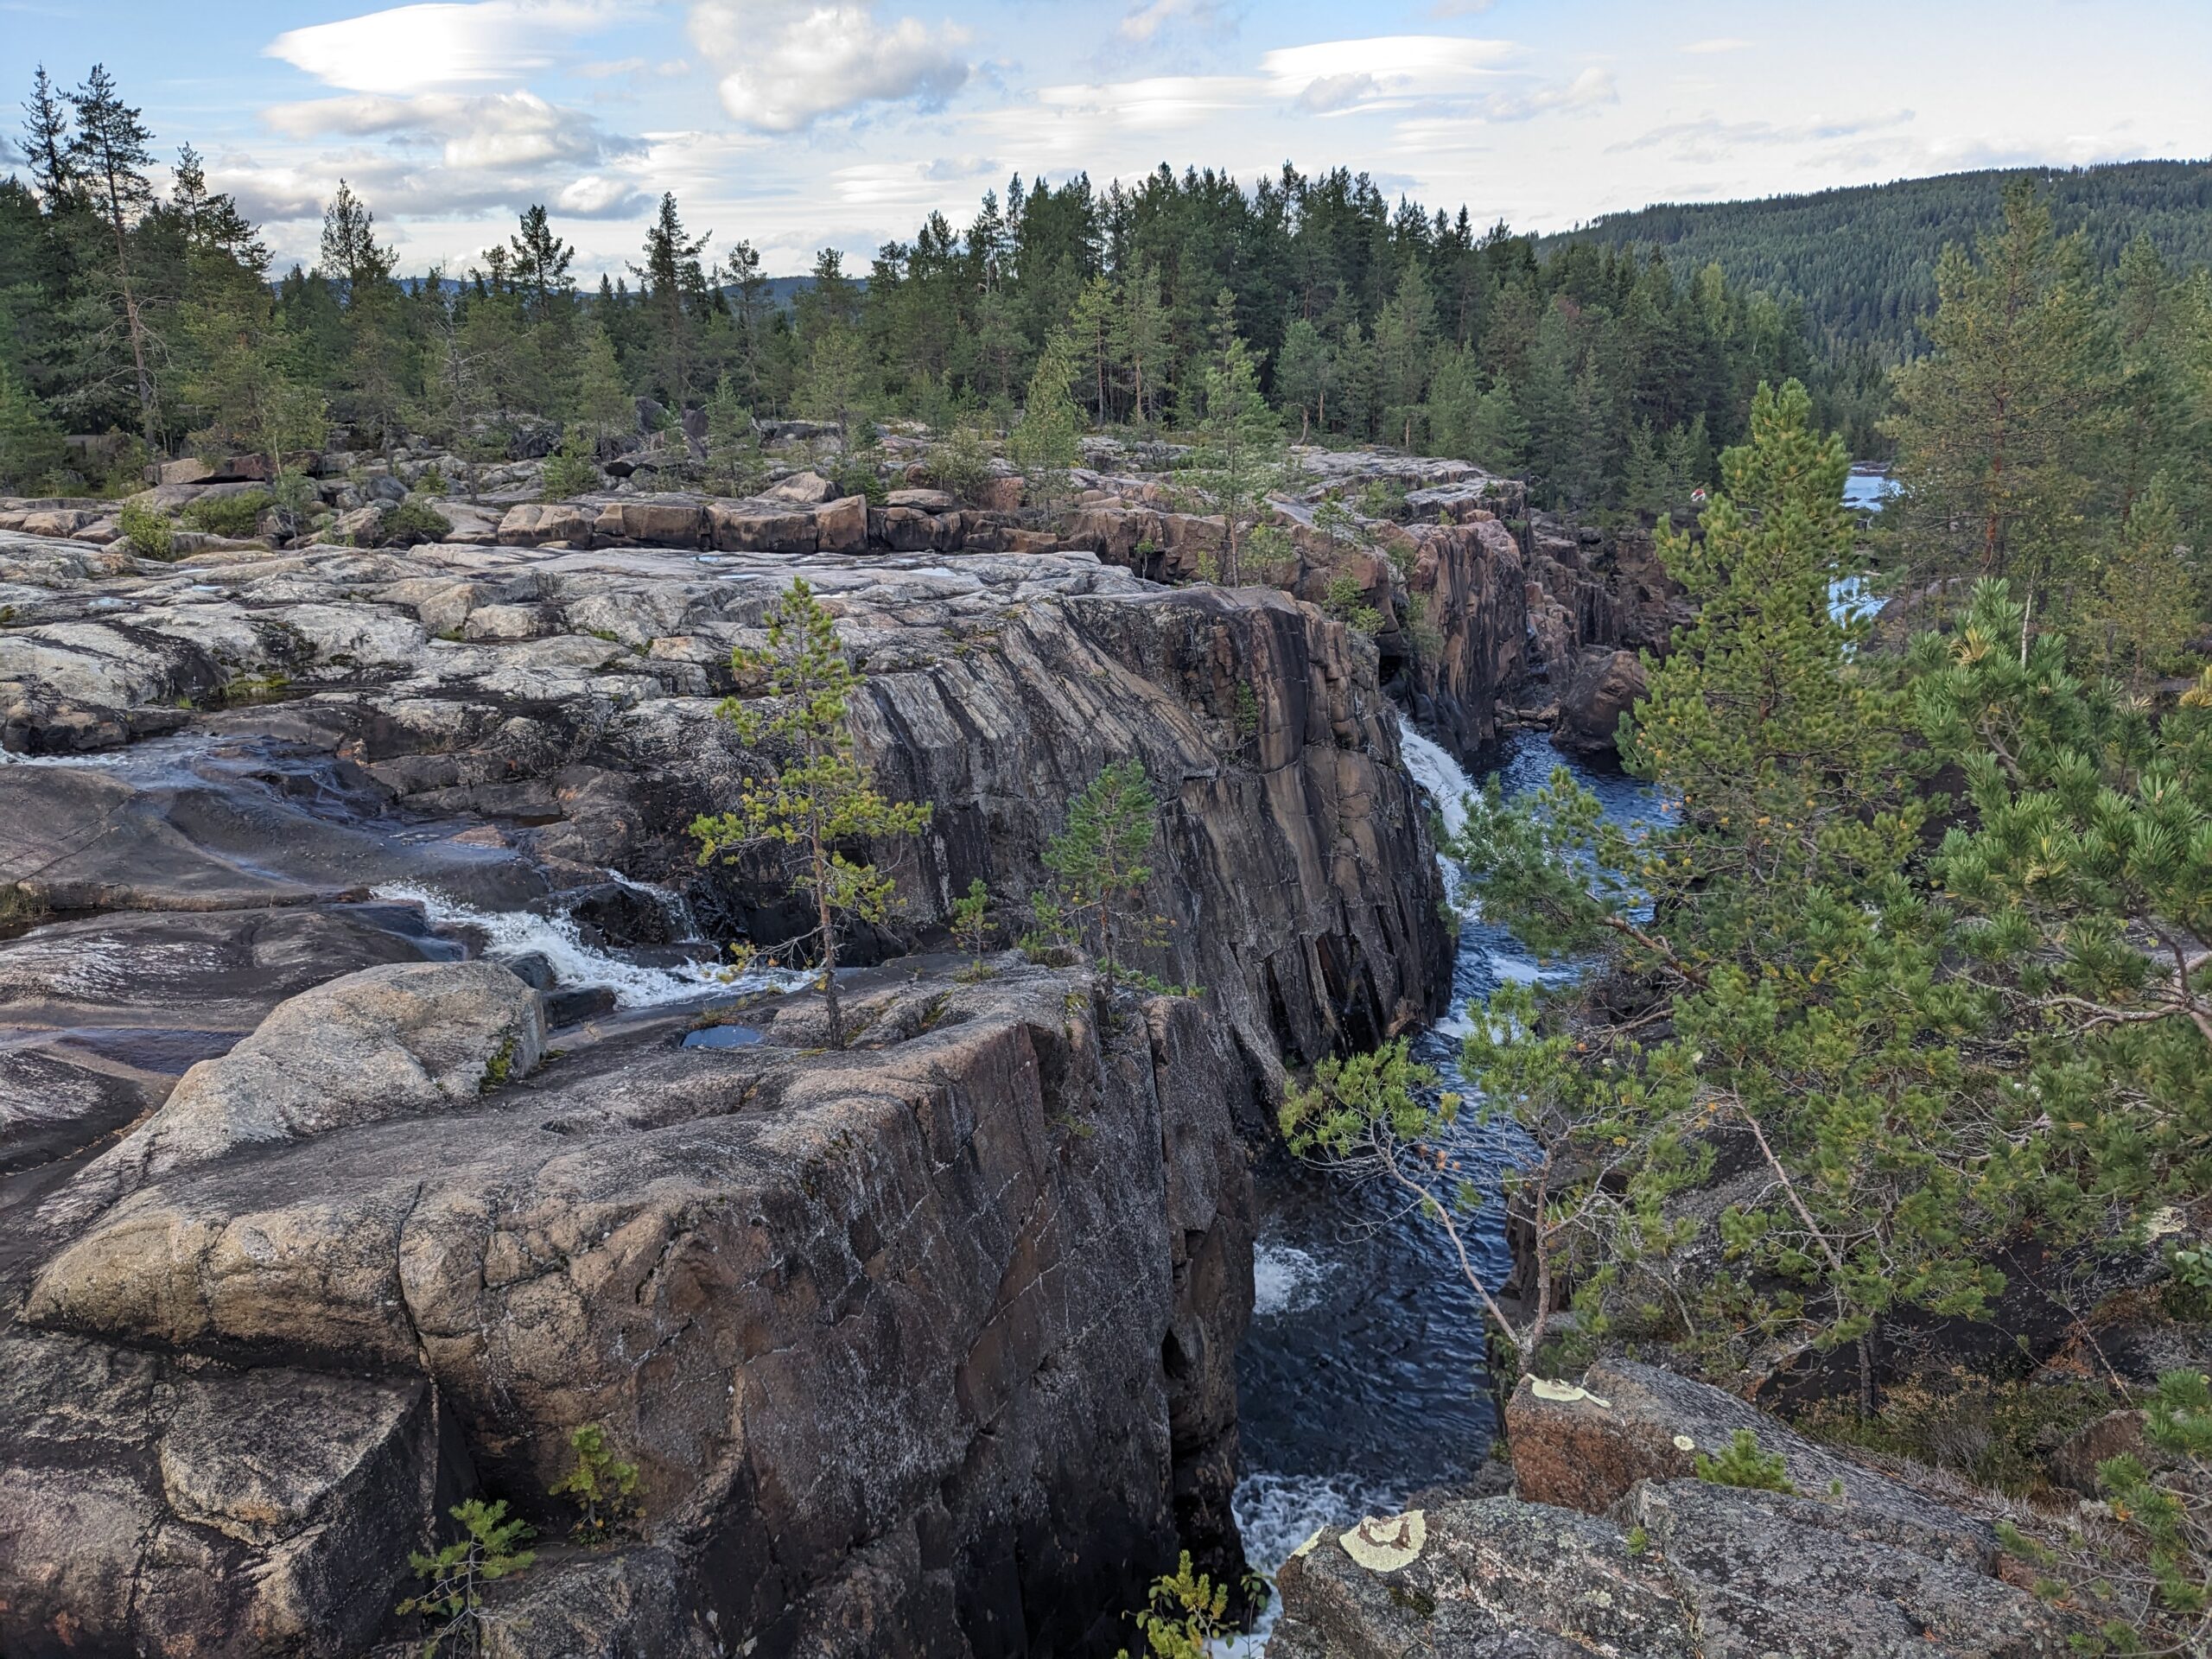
<point>798,124</point>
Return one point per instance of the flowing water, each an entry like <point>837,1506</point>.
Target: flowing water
<point>1363,1378</point>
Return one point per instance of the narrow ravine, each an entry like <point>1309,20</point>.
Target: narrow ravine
<point>1364,1378</point>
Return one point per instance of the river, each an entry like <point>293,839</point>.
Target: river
<point>1363,1378</point>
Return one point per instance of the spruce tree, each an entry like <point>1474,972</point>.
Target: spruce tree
<point>1047,441</point>
<point>108,156</point>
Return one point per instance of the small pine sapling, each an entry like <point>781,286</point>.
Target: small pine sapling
<point>1742,1463</point>
<point>491,1547</point>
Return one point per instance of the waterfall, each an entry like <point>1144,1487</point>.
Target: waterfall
<point>1447,786</point>
<point>511,934</point>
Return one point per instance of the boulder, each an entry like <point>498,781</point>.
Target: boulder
<point>386,1042</point>
<point>535,523</point>
<point>903,529</point>
<point>924,500</point>
<point>363,527</point>
<point>840,526</point>
<point>190,470</point>
<point>1583,1447</point>
<point>805,489</point>
<point>1002,495</point>
<point>754,528</point>
<point>1605,686</point>
<point>1709,1571</point>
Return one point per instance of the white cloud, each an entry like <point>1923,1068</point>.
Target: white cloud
<point>1395,66</point>
<point>1719,43</point>
<point>1592,87</point>
<point>1141,22</point>
<point>786,64</point>
<point>1460,8</point>
<point>597,196</point>
<point>1334,93</point>
<point>417,49</point>
<point>494,130</point>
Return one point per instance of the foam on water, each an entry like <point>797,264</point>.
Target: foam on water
<point>510,934</point>
<point>673,903</point>
<point>1277,1513</point>
<point>1284,1278</point>
<point>1447,786</point>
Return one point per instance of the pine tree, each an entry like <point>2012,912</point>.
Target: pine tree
<point>47,143</point>
<point>540,261</point>
<point>672,283</point>
<point>601,402</point>
<point>350,253</point>
<point>1141,340</point>
<point>30,444</point>
<point>820,800</point>
<point>1047,441</point>
<point>2149,600</point>
<point>1099,862</point>
<point>733,461</point>
<point>108,156</point>
<point>1992,427</point>
<point>1239,458</point>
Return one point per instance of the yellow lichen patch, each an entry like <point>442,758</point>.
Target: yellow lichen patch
<point>1384,1543</point>
<point>1564,1393</point>
<point>1683,1443</point>
<point>1306,1548</point>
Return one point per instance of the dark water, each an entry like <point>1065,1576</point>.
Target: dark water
<point>1363,1378</point>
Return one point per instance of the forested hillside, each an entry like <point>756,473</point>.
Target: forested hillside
<point>1863,260</point>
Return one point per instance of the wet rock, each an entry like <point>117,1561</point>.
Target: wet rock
<point>1605,686</point>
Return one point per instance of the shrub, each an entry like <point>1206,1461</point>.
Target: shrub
<point>148,531</point>
<point>1742,1463</point>
<point>415,520</point>
<point>1347,602</point>
<point>960,463</point>
<point>566,475</point>
<point>971,919</point>
<point>233,516</point>
<point>605,1489</point>
<point>433,482</point>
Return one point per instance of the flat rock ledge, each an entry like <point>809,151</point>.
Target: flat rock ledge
<point>1611,1545</point>
<point>922,1347</point>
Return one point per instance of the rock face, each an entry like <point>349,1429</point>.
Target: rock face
<point>969,1295</point>
<point>1605,686</point>
<point>923,1347</point>
<point>1611,1545</point>
<point>574,694</point>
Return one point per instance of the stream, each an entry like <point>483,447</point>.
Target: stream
<point>1363,1378</point>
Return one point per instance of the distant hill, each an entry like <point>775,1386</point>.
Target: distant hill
<point>1864,259</point>
<point>784,290</point>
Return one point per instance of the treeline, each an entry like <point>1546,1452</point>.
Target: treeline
<point>2055,435</point>
<point>1863,261</point>
<point>1609,379</point>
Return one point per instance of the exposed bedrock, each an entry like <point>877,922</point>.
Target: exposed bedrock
<point>570,698</point>
<point>923,1347</point>
<point>1612,1544</point>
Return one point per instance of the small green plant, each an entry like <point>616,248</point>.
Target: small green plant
<point>415,520</point>
<point>604,1487</point>
<point>500,1067</point>
<point>1247,711</point>
<point>490,1548</point>
<point>1742,1463</point>
<point>147,530</point>
<point>1638,1540</point>
<point>1186,1612</point>
<point>961,463</point>
<point>970,918</point>
<point>2187,1293</point>
<point>233,517</point>
<point>569,470</point>
<point>1347,602</point>
<point>433,482</point>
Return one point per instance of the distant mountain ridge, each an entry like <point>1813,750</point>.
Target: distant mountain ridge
<point>1863,259</point>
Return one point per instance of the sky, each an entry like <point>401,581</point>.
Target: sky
<point>797,125</point>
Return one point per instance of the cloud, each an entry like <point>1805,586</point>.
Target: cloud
<point>1710,138</point>
<point>786,64</point>
<point>1333,93</point>
<point>495,130</point>
<point>417,49</point>
<point>1140,23</point>
<point>596,196</point>
<point>1460,8</point>
<point>1592,87</point>
<point>1719,43</point>
<point>948,169</point>
<point>1392,66</point>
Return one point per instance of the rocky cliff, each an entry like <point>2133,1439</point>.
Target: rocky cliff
<point>317,1222</point>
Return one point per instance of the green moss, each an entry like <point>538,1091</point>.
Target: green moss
<point>500,1067</point>
<point>1996,1433</point>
